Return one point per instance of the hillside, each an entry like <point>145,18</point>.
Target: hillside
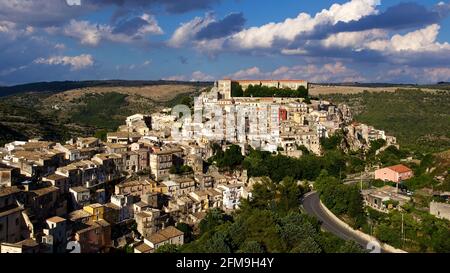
<point>420,120</point>
<point>53,113</point>
<point>328,89</point>
<point>61,86</point>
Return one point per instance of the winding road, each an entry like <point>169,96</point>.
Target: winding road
<point>311,203</point>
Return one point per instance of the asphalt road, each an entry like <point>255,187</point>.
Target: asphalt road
<point>311,204</point>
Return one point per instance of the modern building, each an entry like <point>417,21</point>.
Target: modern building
<point>397,173</point>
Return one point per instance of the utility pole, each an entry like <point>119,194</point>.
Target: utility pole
<point>361,180</point>
<point>403,232</point>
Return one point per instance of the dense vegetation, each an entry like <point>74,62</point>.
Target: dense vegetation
<point>100,110</point>
<point>269,222</point>
<point>422,232</point>
<point>19,120</point>
<point>277,196</point>
<point>264,91</point>
<point>420,120</point>
<point>343,200</point>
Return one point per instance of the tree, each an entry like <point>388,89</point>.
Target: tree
<point>251,247</point>
<point>231,158</point>
<point>188,101</point>
<point>101,134</point>
<point>289,193</point>
<point>218,243</point>
<point>187,230</point>
<point>298,234</point>
<point>351,247</point>
<point>340,199</point>
<point>236,90</point>
<point>355,205</point>
<point>214,217</point>
<point>168,248</point>
<point>332,142</point>
<point>263,195</point>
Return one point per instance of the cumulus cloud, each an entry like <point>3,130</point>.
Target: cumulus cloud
<point>135,29</point>
<point>286,32</point>
<point>246,73</point>
<point>55,12</point>
<point>75,62</point>
<point>272,36</point>
<point>188,31</point>
<point>232,23</point>
<point>12,31</point>
<point>400,16</point>
<point>421,40</point>
<point>354,30</point>
<point>356,39</point>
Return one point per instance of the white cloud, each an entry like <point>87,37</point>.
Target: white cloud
<point>60,46</point>
<point>295,36</point>
<point>75,63</point>
<point>291,29</point>
<point>92,34</point>
<point>246,73</point>
<point>187,31</point>
<point>87,33</point>
<point>355,40</point>
<point>10,30</point>
<point>422,40</point>
<point>200,76</point>
<point>151,27</point>
<point>6,26</point>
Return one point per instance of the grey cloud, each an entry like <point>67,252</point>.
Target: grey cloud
<point>45,13</point>
<point>171,6</point>
<point>38,12</point>
<point>230,24</point>
<point>401,16</point>
<point>129,27</point>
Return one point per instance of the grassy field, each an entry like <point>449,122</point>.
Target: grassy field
<point>419,119</point>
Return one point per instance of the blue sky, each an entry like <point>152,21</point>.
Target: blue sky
<point>204,40</point>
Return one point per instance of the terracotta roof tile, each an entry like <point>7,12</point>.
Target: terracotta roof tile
<point>400,168</point>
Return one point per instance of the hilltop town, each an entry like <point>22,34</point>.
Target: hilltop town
<point>134,188</point>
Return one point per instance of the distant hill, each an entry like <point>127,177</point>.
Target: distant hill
<point>59,110</point>
<point>62,86</point>
<point>439,85</point>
